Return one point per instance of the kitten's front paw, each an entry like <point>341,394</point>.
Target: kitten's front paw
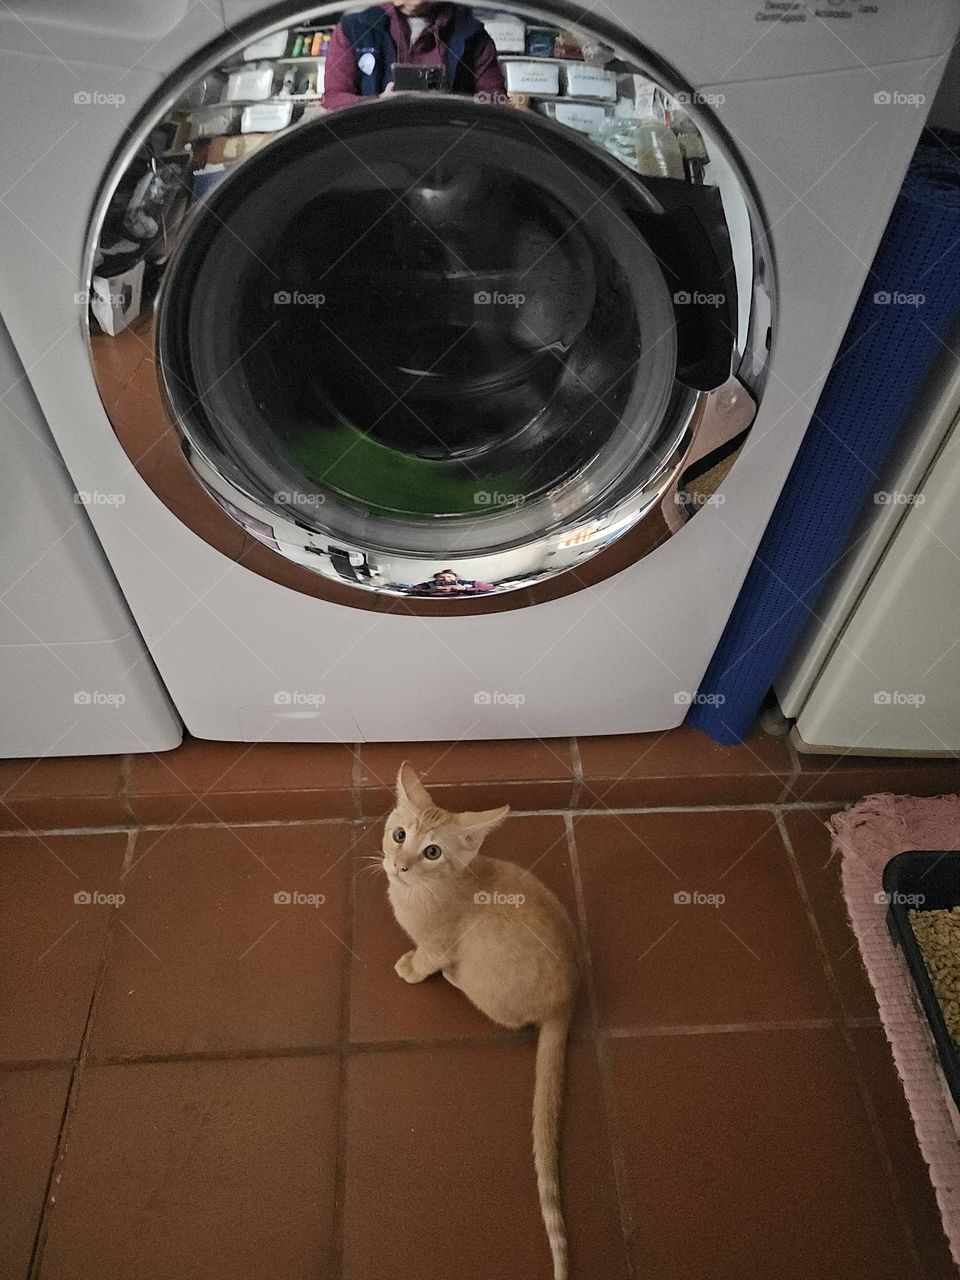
<point>407,968</point>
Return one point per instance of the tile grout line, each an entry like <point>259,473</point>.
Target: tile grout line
<point>794,756</point>
<point>577,789</point>
<point>792,776</point>
<point>356,781</point>
<point>863,1088</point>
<point>128,852</point>
<point>498,1037</point>
<point>357,791</point>
<point>73,1088</point>
<point>608,1097</point>
<point>670,1031</point>
<point>124,793</point>
<point>35,1064</point>
<point>264,1052</point>
<point>765,806</point>
<point>338,1242</point>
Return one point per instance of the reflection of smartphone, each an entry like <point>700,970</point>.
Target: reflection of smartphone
<point>407,77</point>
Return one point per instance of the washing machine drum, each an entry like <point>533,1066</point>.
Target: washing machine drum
<point>424,344</point>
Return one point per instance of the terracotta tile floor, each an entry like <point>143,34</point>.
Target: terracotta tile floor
<point>202,1080</point>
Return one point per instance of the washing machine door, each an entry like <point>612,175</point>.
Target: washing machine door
<point>449,351</point>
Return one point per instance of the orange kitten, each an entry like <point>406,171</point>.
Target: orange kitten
<point>500,936</point>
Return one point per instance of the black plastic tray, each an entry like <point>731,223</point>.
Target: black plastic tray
<point>924,880</point>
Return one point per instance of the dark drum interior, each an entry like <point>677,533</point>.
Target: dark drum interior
<point>412,305</point>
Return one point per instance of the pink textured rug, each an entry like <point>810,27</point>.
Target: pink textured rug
<point>867,835</point>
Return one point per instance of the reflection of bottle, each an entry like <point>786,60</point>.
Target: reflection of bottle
<point>297,47</point>
<point>657,150</point>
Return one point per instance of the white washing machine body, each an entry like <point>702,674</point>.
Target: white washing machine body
<point>816,112</point>
<point>75,675</point>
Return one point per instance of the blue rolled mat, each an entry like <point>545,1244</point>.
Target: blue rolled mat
<point>861,410</point>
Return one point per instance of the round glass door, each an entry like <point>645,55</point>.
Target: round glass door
<point>423,327</point>
<point>430,346</point>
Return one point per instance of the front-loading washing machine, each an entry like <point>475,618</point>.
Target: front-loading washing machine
<point>443,416</point>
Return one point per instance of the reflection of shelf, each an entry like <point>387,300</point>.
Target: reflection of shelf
<point>319,58</point>
<point>254,102</point>
<point>537,57</point>
<point>580,101</point>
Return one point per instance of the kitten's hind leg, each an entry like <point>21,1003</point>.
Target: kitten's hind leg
<point>415,965</point>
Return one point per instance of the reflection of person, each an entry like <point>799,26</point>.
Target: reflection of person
<point>365,46</point>
<point>449,583</point>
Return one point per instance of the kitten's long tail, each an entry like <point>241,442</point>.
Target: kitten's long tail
<point>547,1104</point>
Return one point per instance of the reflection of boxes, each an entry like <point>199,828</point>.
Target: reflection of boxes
<point>309,80</point>
<point>210,124</point>
<point>208,88</point>
<point>532,77</point>
<point>581,116</point>
<point>583,81</point>
<point>274,46</point>
<point>226,150</point>
<point>507,32</point>
<point>266,117</point>
<point>540,43</point>
<point>567,45</point>
<point>250,86</point>
<point>115,300</point>
<point>639,97</point>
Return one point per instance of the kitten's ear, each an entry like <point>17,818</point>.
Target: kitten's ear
<point>477,826</point>
<point>410,789</point>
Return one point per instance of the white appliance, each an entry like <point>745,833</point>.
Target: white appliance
<point>879,671</point>
<point>467,429</point>
<point>75,676</point>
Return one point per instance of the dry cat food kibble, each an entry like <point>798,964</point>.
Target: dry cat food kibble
<point>938,936</point>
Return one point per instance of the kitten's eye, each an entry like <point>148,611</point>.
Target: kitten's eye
<point>432,852</point>
<point>399,835</point>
